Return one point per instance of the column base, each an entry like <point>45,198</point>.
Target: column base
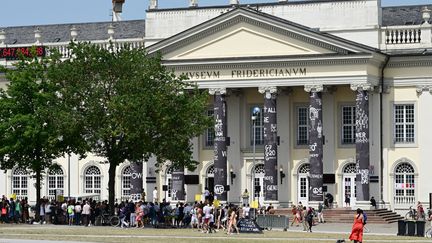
<point>365,205</point>
<point>275,204</point>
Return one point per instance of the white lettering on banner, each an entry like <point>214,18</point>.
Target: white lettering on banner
<point>269,151</point>
<point>313,146</point>
<point>266,119</point>
<point>268,178</point>
<point>316,176</point>
<point>272,187</point>
<point>364,175</point>
<point>271,110</point>
<point>273,127</point>
<point>219,189</point>
<point>314,155</point>
<point>224,153</point>
<point>136,175</point>
<point>317,191</point>
<point>135,197</point>
<point>218,127</point>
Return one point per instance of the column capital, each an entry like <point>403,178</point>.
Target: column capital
<point>270,89</point>
<point>423,88</point>
<point>362,87</point>
<point>314,88</point>
<point>221,91</point>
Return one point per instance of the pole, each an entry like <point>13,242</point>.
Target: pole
<point>253,162</point>
<point>69,177</point>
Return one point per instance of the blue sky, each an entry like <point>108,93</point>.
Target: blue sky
<point>39,12</point>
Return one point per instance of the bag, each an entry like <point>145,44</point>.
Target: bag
<point>3,211</point>
<point>364,218</point>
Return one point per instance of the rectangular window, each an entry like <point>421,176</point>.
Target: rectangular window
<point>348,124</point>
<point>209,134</point>
<point>126,185</point>
<point>404,123</point>
<point>302,126</point>
<point>257,128</point>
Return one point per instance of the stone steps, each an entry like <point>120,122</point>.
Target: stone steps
<point>345,215</point>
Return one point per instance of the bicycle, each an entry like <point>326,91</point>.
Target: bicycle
<point>107,219</point>
<point>366,229</point>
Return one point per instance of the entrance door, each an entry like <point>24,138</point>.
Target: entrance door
<point>350,189</point>
<point>258,185</point>
<point>303,192</point>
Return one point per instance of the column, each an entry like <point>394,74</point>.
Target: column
<point>270,143</point>
<point>362,140</point>
<point>136,183</point>
<point>315,142</point>
<point>220,144</point>
<point>178,183</point>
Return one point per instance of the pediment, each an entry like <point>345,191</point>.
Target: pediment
<point>243,40</point>
<point>243,33</point>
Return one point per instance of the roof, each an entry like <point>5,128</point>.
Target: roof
<point>403,15</point>
<point>86,32</point>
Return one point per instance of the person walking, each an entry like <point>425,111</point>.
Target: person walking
<point>232,224</point>
<point>320,213</point>
<point>305,222</point>
<point>357,228</point>
<point>155,195</point>
<point>309,218</point>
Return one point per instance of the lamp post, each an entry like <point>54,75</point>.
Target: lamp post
<point>255,112</point>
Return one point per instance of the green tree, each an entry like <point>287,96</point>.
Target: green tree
<point>30,137</point>
<point>130,106</point>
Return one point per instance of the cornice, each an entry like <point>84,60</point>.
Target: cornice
<point>423,88</point>
<point>410,61</point>
<point>269,89</point>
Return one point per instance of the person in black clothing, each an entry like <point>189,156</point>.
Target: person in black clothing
<point>373,202</point>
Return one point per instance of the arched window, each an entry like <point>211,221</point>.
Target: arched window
<point>168,182</point>
<point>304,169</point>
<point>55,182</point>
<point>404,184</point>
<point>126,181</point>
<point>20,183</point>
<point>350,169</point>
<point>92,180</point>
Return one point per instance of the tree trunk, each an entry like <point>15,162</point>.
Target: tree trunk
<point>111,187</point>
<point>38,194</point>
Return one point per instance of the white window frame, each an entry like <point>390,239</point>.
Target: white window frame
<point>352,108</point>
<point>298,125</point>
<point>55,181</point>
<point>126,182</point>
<point>209,134</point>
<point>404,123</point>
<point>259,126</point>
<point>401,185</point>
<point>19,182</point>
<point>94,179</point>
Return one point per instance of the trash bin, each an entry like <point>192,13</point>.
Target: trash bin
<point>411,227</point>
<point>420,225</point>
<point>401,227</point>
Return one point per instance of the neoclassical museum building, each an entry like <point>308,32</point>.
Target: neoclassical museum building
<point>309,98</point>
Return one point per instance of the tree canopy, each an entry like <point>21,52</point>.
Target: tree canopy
<point>130,107</point>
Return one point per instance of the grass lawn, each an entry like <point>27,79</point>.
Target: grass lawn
<point>111,234</point>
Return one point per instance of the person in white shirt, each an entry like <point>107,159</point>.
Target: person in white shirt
<point>207,214</point>
<point>86,211</point>
<point>78,210</point>
<point>155,195</point>
<point>246,210</point>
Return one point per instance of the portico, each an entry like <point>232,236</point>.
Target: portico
<point>280,66</point>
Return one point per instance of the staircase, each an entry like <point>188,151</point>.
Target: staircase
<point>345,215</point>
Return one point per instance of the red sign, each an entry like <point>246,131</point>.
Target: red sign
<point>12,53</point>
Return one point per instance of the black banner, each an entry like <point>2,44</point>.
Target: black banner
<point>248,226</point>
<point>270,147</point>
<point>220,147</point>
<point>315,147</point>
<point>178,182</point>
<point>362,145</point>
<point>136,181</point>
